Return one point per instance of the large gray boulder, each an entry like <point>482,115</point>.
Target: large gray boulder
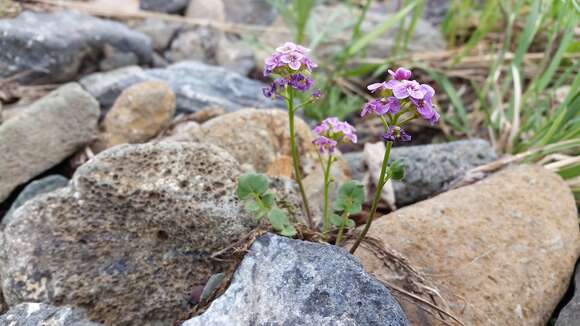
<point>289,282</point>
<point>195,84</point>
<point>40,314</point>
<point>45,133</point>
<point>130,236</point>
<point>49,47</point>
<point>33,189</point>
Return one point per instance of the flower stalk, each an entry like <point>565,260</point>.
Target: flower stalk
<point>295,157</point>
<point>291,67</point>
<point>383,179</point>
<point>325,214</point>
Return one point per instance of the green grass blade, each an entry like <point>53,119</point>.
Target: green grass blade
<point>362,42</point>
<point>486,22</point>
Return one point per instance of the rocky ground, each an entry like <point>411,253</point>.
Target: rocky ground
<point>120,147</point>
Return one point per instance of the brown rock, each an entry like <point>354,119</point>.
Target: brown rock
<point>500,252</point>
<point>140,113</point>
<point>258,138</point>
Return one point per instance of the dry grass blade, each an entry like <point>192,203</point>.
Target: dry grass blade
<point>415,287</point>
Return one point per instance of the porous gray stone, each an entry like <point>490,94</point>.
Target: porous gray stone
<point>37,314</point>
<point>48,47</point>
<point>33,189</point>
<point>289,282</point>
<point>130,236</point>
<point>43,134</point>
<point>195,84</point>
<point>430,169</point>
<point>570,314</point>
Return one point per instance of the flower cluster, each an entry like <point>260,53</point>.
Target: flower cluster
<point>401,95</point>
<point>291,66</point>
<point>331,132</point>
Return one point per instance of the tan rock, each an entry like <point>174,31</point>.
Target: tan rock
<point>258,138</point>
<point>139,114</point>
<point>500,252</point>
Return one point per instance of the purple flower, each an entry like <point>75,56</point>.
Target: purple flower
<point>291,47</point>
<point>396,133</point>
<point>272,91</point>
<point>377,87</point>
<point>300,82</point>
<point>287,59</point>
<point>317,94</point>
<point>400,74</point>
<point>292,59</point>
<point>425,106</point>
<point>269,91</point>
<point>381,106</point>
<point>408,88</point>
<point>325,144</point>
<point>337,130</point>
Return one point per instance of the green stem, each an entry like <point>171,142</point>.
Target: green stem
<point>376,199</point>
<point>295,157</point>
<point>326,217</point>
<point>342,226</point>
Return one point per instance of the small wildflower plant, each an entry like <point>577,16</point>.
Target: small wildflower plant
<point>399,101</point>
<point>330,133</point>
<point>291,68</point>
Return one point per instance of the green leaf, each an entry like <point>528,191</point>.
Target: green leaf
<point>280,222</point>
<point>252,206</point>
<point>350,223</point>
<point>350,197</point>
<point>288,231</point>
<point>397,169</point>
<point>251,184</point>
<point>268,200</point>
<point>335,220</point>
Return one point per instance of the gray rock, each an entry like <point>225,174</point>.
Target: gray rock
<point>235,55</point>
<point>429,169</point>
<point>55,46</point>
<point>570,315</point>
<point>356,164</point>
<point>166,6</point>
<point>33,189</point>
<point>45,133</point>
<point>195,84</point>
<point>288,282</point>
<point>253,12</point>
<point>434,11</point>
<point>160,32</point>
<point>214,47</point>
<point>196,44</point>
<point>130,236</point>
<point>36,314</point>
<point>114,59</point>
